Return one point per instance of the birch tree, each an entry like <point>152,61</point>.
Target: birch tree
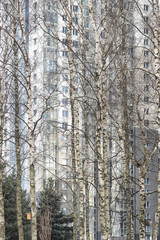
<point>30,120</point>
<point>17,130</point>
<point>2,72</point>
<point>156,40</point>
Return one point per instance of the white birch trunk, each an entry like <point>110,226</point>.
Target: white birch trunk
<point>156,40</point>
<point>17,137</point>
<point>76,114</point>
<point>2,220</point>
<point>85,125</point>
<point>30,126</point>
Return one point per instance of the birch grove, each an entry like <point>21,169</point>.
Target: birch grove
<point>96,66</point>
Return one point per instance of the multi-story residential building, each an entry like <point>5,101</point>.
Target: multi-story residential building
<point>50,85</point>
<point>52,115</point>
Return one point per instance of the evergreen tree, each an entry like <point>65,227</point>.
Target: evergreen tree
<point>9,192</point>
<point>53,223</point>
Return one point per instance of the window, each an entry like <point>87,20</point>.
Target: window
<point>132,170</point>
<point>75,32</point>
<point>148,228</point>
<point>65,126</point>
<point>75,20</point>
<point>35,53</point>
<point>75,8</point>
<point>146,41</point>
<point>35,77</point>
<point>5,132</point>
<point>146,64</point>
<point>65,175</point>
<point>146,99</point>
<point>102,11</point>
<point>48,41</point>
<point>76,79</point>
<point>146,111</point>
<point>64,150</point>
<point>34,112</point>
<point>35,5</point>
<point>64,101</point>
<point>65,161</point>
<point>5,108</point>
<point>35,100</point>
<point>64,41</point>
<point>146,76</point>
<point>64,29</point>
<point>75,43</point>
<point>146,7</point>
<point>146,53</point>
<point>50,65</point>
<point>148,216</point>
<point>147,205</point>
<point>35,29</point>
<point>35,88</point>
<point>64,17</point>
<point>146,19</point>
<point>65,197</point>
<point>64,186</point>
<point>35,41</point>
<point>65,77</point>
<point>147,193</point>
<point>85,1</point>
<point>146,30</point>
<point>48,126</point>
<point>146,124</point>
<point>147,144</point>
<point>65,210</point>
<point>87,35</point>
<point>147,238</point>
<point>48,103</point>
<point>49,6</point>
<point>86,23</point>
<point>146,88</point>
<point>6,120</point>
<point>64,53</point>
<point>64,89</point>
<point>34,17</point>
<point>64,137</point>
<point>65,113</point>
<point>75,55</point>
<point>86,12</point>
<point>147,181</point>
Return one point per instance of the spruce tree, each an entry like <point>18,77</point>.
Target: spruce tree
<point>53,223</point>
<point>9,192</point>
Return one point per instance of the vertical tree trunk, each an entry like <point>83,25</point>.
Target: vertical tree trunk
<point>17,137</point>
<point>126,158</point>
<point>75,114</point>
<point>30,126</point>
<point>156,40</point>
<point>105,130</point>
<point>142,205</point>
<point>77,146</point>
<point>85,124</point>
<point>2,220</point>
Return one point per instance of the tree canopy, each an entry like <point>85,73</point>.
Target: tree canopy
<point>53,223</point>
<point>9,192</point>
